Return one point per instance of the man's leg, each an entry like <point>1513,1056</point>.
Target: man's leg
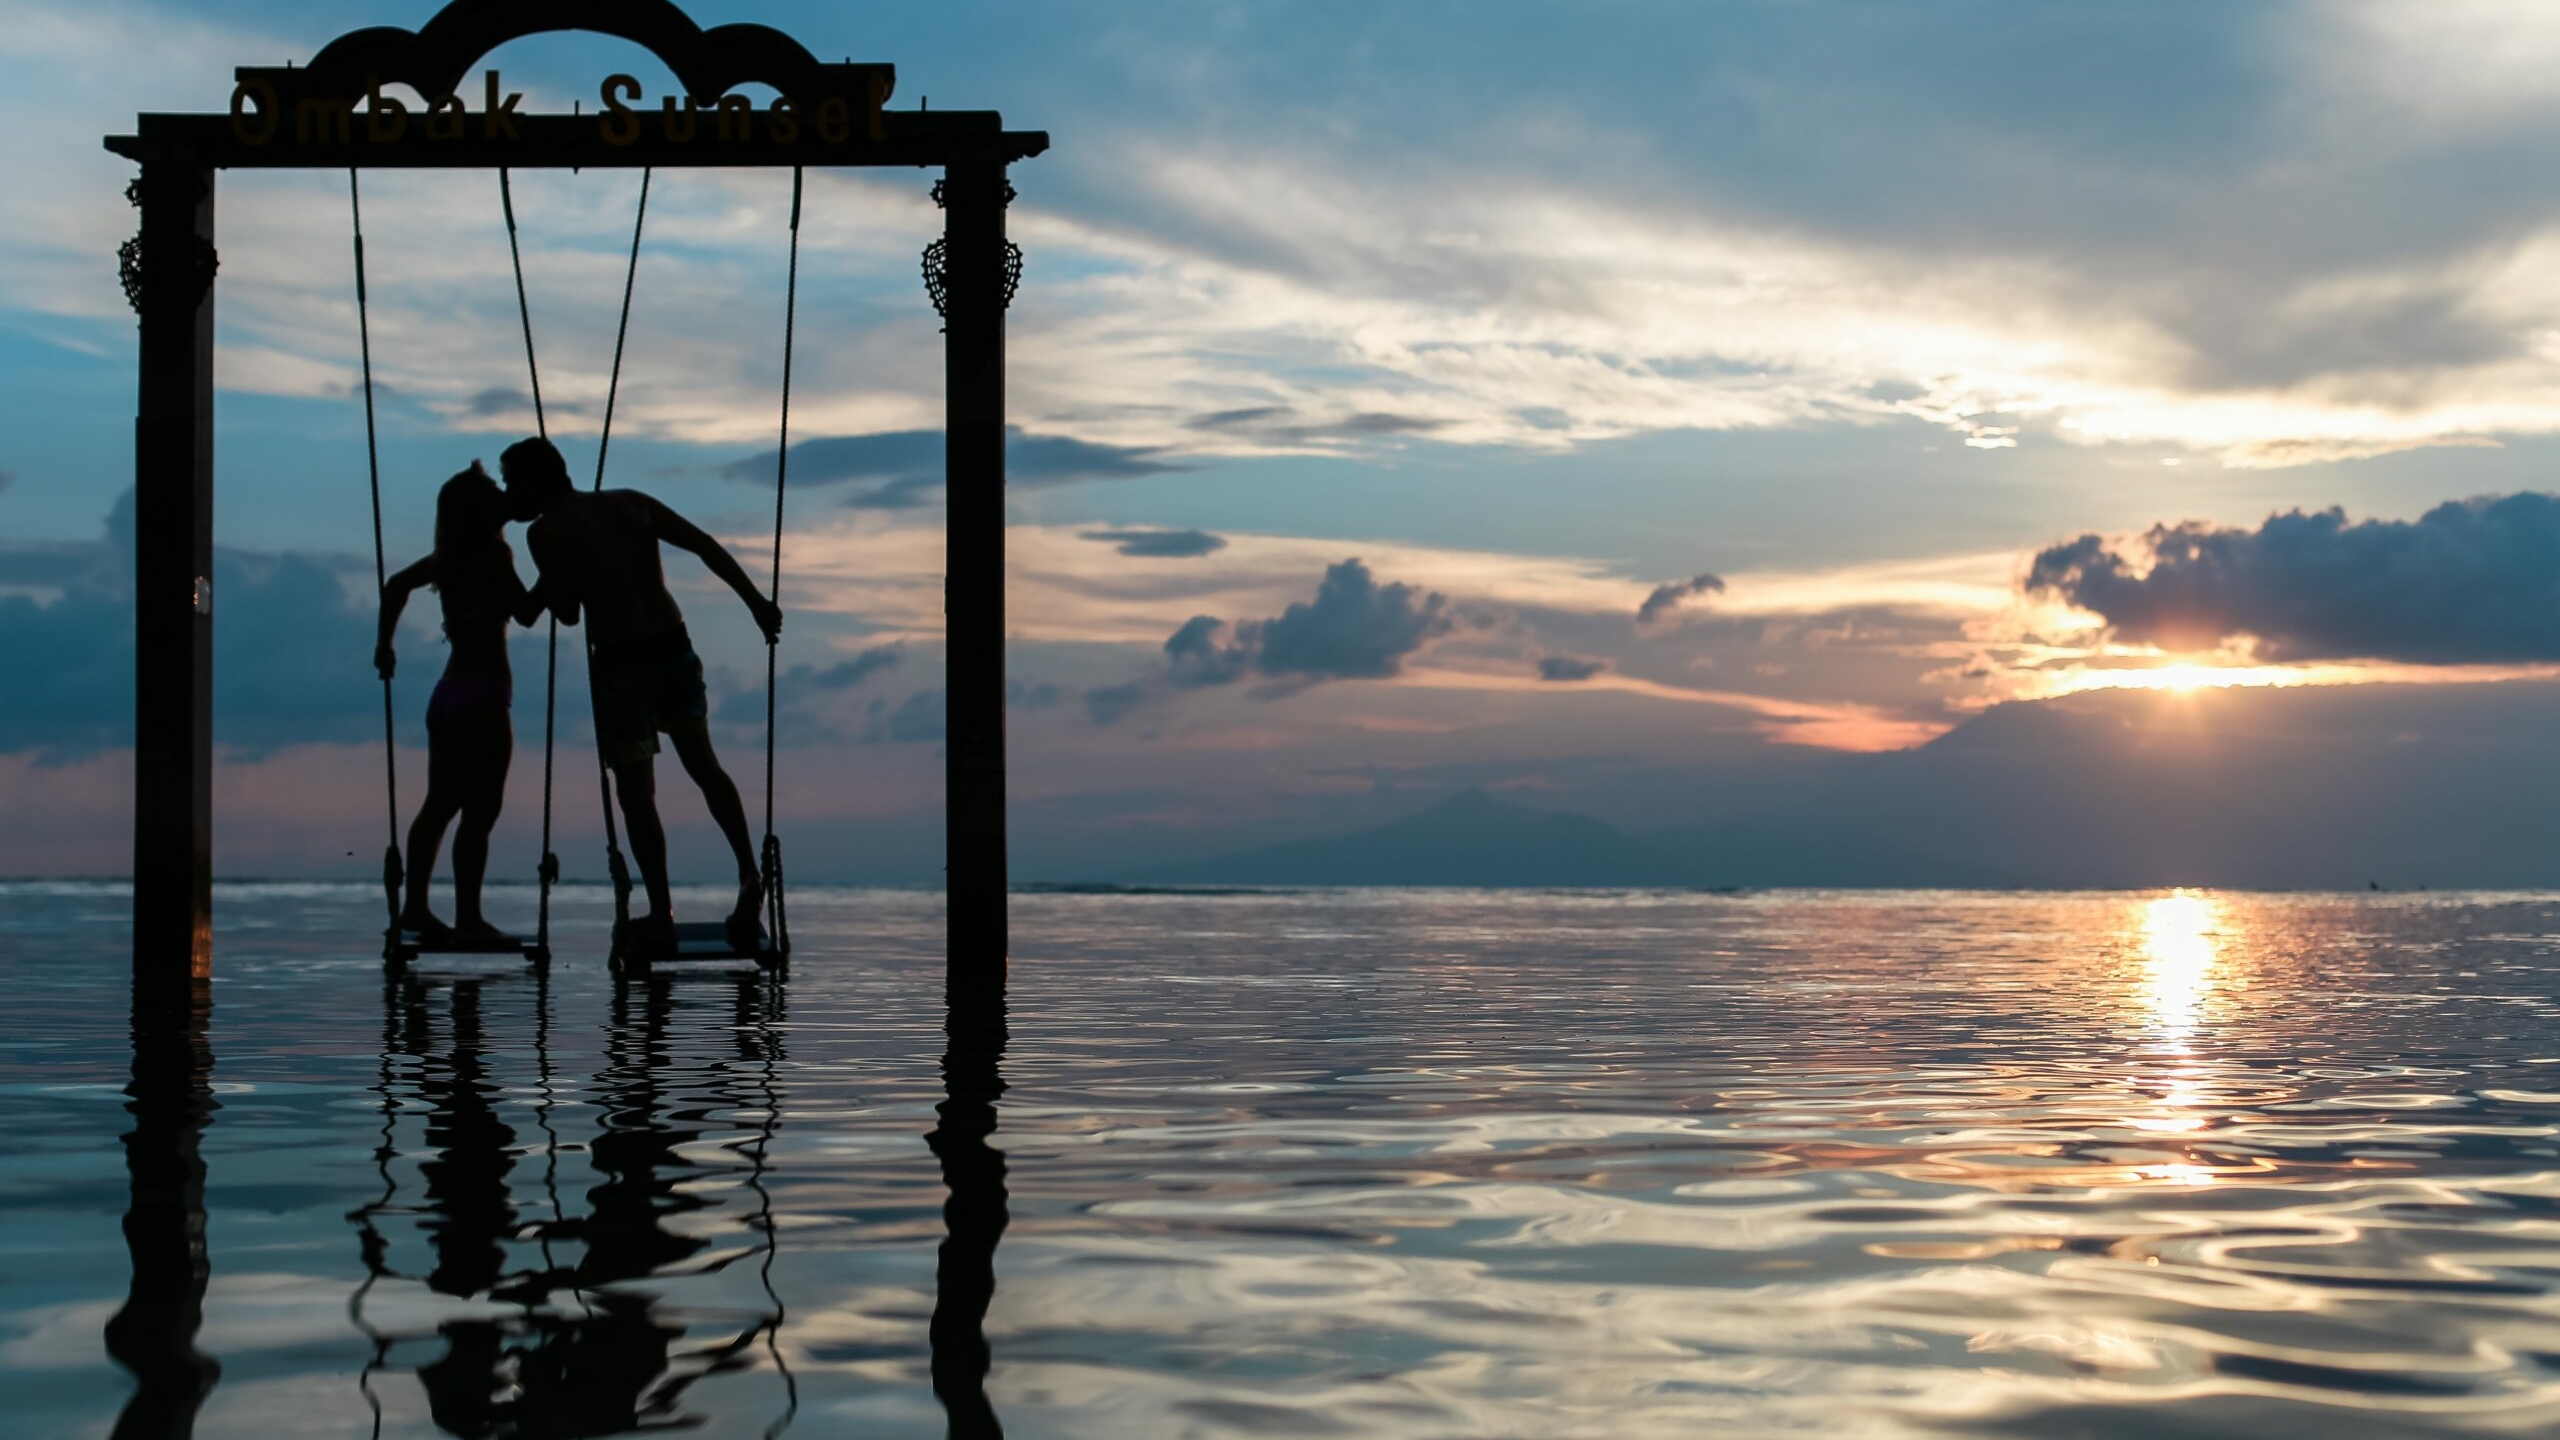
<point>638,782</point>
<point>720,794</point>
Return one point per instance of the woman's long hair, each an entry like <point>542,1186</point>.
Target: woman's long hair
<point>471,535</point>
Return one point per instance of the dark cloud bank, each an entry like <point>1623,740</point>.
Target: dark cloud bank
<point>1569,669</point>
<point>2471,581</point>
<point>1159,544</point>
<point>291,653</point>
<point>902,469</point>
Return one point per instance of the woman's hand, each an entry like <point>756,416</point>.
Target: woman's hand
<point>384,662</point>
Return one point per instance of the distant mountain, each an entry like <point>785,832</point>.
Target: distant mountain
<point>1469,839</point>
<point>1473,838</point>
<point>2314,788</point>
<point>1769,853</point>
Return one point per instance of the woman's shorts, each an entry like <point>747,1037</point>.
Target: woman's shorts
<point>460,701</point>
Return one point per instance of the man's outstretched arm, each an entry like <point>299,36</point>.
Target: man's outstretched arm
<point>685,535</point>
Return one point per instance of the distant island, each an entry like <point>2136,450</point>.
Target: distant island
<point>1477,839</point>
<point>2315,788</point>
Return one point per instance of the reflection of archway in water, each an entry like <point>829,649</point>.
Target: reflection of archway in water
<point>974,1218</point>
<point>590,1348</point>
<point>170,1097</point>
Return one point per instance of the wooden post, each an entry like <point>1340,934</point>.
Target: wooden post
<point>976,280</point>
<point>169,277</point>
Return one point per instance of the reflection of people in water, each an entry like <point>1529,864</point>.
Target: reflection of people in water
<point>470,731</point>
<point>171,1100</point>
<point>973,1218</point>
<point>590,1352</point>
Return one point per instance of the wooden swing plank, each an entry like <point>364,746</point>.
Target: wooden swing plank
<point>405,945</point>
<point>698,940</point>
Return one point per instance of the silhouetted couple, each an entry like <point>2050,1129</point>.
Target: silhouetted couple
<point>597,554</point>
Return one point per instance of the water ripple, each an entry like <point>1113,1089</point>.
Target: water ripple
<point>1374,1163</point>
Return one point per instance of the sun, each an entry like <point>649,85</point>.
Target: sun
<point>2187,679</point>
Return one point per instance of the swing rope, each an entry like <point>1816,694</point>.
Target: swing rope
<point>776,918</point>
<point>391,869</point>
<point>614,863</point>
<point>619,869</point>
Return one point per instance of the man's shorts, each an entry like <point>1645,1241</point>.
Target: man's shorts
<point>643,687</point>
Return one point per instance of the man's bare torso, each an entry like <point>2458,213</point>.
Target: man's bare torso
<point>600,550</point>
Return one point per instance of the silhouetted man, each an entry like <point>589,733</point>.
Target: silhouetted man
<point>598,552</point>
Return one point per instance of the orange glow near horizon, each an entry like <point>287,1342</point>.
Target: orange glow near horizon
<point>2182,677</point>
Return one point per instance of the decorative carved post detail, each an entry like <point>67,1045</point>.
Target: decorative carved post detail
<point>970,270</point>
<point>168,273</point>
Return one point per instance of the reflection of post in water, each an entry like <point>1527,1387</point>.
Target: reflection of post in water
<point>973,1218</point>
<point>171,1100</point>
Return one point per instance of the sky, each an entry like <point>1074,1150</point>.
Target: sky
<point>1620,406</point>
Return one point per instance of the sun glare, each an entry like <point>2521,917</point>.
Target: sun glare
<point>2179,958</point>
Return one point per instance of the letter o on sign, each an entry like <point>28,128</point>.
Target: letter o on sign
<point>259,127</point>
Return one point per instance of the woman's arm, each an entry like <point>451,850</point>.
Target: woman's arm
<point>525,606</point>
<point>395,598</point>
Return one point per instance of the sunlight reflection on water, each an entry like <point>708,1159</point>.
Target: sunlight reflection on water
<point>1387,1163</point>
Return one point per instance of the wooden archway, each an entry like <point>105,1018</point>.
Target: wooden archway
<point>336,113</point>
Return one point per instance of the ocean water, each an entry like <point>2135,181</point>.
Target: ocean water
<point>1407,1164</point>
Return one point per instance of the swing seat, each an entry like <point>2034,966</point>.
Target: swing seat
<point>400,946</point>
<point>695,940</point>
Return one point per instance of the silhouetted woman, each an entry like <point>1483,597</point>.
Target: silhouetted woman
<point>470,732</point>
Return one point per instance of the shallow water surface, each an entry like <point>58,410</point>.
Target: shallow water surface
<point>1356,1163</point>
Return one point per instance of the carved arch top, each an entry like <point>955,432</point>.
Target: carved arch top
<point>435,58</point>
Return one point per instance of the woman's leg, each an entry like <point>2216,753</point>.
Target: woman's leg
<point>488,751</point>
<point>426,833</point>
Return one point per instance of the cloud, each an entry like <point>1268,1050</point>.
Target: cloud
<point>2067,261</point>
<point>1111,704</point>
<point>291,648</point>
<point>1354,629</point>
<point>1196,655</point>
<point>2469,582</point>
<point>850,673</point>
<point>916,720</point>
<point>1667,598</point>
<point>798,689</point>
<point>903,468</point>
<point>1286,427</point>
<point>1159,544</point>
<point>1569,669</point>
